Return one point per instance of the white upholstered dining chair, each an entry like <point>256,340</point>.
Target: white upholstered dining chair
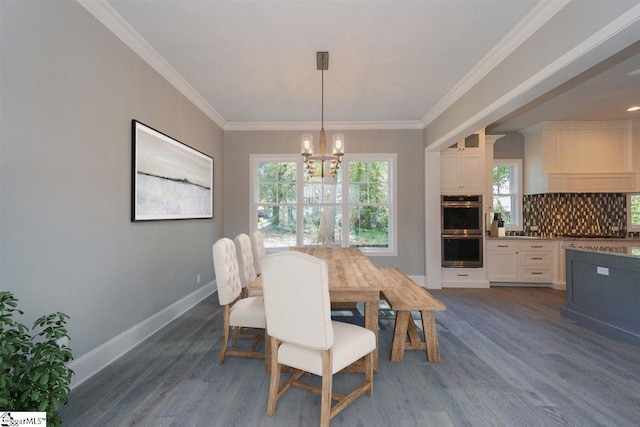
<point>245,264</point>
<point>302,334</point>
<point>257,246</point>
<point>237,312</point>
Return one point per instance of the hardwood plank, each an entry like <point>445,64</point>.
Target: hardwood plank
<point>508,358</point>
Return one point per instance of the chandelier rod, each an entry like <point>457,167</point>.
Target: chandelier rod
<point>322,105</point>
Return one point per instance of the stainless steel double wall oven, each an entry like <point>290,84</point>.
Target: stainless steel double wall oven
<point>462,231</point>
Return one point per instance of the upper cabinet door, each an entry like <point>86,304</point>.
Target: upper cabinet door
<point>462,166</point>
<point>461,173</point>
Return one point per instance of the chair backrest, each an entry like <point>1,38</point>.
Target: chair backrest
<point>296,299</point>
<point>257,245</point>
<point>225,266</point>
<point>245,259</point>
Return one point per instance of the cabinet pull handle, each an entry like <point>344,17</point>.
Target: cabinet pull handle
<point>536,246</point>
<point>536,272</point>
<point>462,275</point>
<point>503,246</point>
<point>537,257</point>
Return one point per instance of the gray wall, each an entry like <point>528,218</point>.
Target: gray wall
<point>238,145</point>
<point>69,91</point>
<point>510,146</point>
<point>572,25</point>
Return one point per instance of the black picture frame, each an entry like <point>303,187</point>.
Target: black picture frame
<point>169,179</point>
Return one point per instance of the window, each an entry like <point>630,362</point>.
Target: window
<point>633,212</point>
<point>276,201</point>
<point>322,211</point>
<point>353,209</point>
<point>368,204</point>
<point>507,192</point>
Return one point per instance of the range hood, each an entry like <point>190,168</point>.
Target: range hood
<point>582,157</point>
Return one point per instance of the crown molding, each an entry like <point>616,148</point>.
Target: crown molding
<point>298,126</point>
<point>110,18</point>
<point>532,22</point>
<point>620,24</point>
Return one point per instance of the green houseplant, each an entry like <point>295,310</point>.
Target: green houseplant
<point>33,371</point>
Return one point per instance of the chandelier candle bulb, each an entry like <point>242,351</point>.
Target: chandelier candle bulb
<point>338,144</point>
<point>307,144</point>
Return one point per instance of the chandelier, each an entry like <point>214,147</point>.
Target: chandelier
<point>321,164</point>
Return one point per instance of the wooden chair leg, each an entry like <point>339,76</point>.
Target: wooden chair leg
<point>225,334</point>
<point>368,372</point>
<point>327,386</point>
<point>236,331</point>
<point>430,335</point>
<point>275,377</point>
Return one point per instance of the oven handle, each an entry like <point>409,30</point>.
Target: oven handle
<point>461,204</point>
<point>462,236</point>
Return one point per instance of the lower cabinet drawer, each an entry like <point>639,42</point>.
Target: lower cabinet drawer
<point>535,275</point>
<point>463,274</point>
<point>540,259</point>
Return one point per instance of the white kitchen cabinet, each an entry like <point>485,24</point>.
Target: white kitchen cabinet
<point>521,261</point>
<point>462,166</point>
<point>462,173</point>
<point>464,278</point>
<point>474,143</point>
<point>503,263</point>
<point>537,260</point>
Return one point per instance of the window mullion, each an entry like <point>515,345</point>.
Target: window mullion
<point>345,205</point>
<point>300,203</point>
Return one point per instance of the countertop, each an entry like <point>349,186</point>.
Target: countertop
<point>566,238</point>
<point>626,251</point>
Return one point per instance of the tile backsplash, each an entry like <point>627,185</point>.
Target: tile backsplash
<point>579,214</point>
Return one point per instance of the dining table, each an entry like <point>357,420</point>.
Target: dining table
<point>352,278</point>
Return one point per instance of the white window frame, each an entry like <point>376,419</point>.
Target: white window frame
<point>392,158</point>
<point>630,225</point>
<point>392,250</point>
<point>254,159</point>
<point>517,206</point>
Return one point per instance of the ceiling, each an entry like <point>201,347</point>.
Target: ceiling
<point>252,64</point>
<point>603,92</point>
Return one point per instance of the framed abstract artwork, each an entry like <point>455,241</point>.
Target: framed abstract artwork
<point>170,180</point>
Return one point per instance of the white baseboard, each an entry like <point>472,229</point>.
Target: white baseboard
<point>482,284</point>
<point>418,279</point>
<point>97,359</point>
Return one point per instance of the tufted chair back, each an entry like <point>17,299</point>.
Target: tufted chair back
<point>225,266</point>
<point>257,245</point>
<point>296,299</point>
<point>245,259</point>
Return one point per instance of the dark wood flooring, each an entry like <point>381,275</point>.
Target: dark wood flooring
<point>508,358</point>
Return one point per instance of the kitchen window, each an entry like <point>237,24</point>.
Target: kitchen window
<point>633,212</point>
<point>354,209</point>
<point>507,192</point>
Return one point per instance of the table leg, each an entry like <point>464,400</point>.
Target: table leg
<point>430,336</point>
<point>371,323</point>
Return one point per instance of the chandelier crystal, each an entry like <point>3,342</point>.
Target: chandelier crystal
<point>321,164</point>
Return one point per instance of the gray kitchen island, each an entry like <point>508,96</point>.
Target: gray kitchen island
<point>603,290</point>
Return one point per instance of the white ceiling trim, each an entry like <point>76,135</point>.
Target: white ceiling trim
<point>111,19</point>
<point>280,126</point>
<point>631,17</point>
<point>532,22</point>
